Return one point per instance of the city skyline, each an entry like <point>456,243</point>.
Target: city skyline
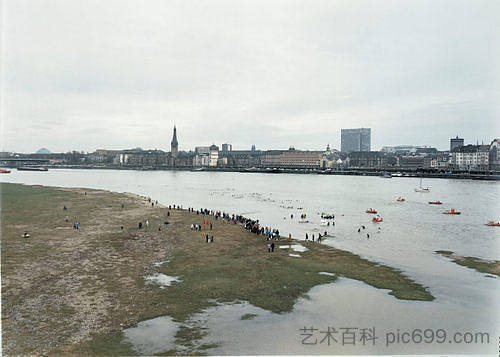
<point>174,142</point>
<point>120,74</point>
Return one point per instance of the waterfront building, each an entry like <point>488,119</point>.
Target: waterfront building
<point>355,140</point>
<point>456,142</point>
<point>142,158</point>
<point>202,156</point>
<point>202,150</point>
<point>494,155</point>
<point>301,159</point>
<point>411,162</point>
<point>292,158</point>
<point>439,160</point>
<point>369,159</point>
<point>201,160</point>
<point>214,156</point>
<point>242,158</point>
<point>271,158</point>
<point>471,157</point>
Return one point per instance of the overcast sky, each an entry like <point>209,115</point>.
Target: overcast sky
<point>83,75</point>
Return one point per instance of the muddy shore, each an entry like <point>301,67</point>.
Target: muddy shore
<point>67,290</point>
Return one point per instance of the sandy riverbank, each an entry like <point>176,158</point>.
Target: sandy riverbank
<point>74,291</point>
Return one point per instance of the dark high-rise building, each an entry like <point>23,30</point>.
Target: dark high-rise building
<point>174,145</point>
<point>355,140</point>
<point>227,147</point>
<point>456,143</point>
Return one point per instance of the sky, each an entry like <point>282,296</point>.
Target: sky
<point>91,74</point>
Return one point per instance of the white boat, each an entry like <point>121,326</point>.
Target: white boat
<point>422,189</point>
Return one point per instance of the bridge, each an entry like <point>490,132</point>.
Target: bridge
<point>19,161</point>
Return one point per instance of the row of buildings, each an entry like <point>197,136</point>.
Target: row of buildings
<point>355,153</point>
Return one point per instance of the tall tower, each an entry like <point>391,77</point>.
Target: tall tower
<point>174,145</point>
<point>456,143</point>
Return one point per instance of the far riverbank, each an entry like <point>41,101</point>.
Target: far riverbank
<point>393,172</point>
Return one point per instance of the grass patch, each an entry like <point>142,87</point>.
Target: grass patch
<point>480,265</point>
<point>248,316</point>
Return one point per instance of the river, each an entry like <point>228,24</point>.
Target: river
<point>410,233</point>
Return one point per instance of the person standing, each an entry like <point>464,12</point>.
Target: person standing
<point>272,247</point>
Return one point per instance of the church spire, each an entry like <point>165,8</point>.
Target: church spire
<point>174,145</point>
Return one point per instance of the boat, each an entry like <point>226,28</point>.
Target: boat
<point>199,169</point>
<point>386,175</point>
<point>377,219</point>
<point>452,211</point>
<point>3,171</point>
<point>371,210</point>
<point>32,168</point>
<point>251,169</point>
<point>435,202</point>
<point>400,199</point>
<point>422,189</point>
<point>493,224</point>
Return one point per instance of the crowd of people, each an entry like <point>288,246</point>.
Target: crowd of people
<point>271,234</point>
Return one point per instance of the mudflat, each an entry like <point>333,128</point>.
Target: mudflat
<point>73,291</point>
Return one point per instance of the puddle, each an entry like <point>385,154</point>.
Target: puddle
<point>152,336</point>
<point>346,303</point>
<point>161,279</point>
<point>294,255</point>
<point>159,264</point>
<point>326,273</point>
<point>299,248</point>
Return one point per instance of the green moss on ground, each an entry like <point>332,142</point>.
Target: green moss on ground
<point>104,267</point>
<point>480,265</point>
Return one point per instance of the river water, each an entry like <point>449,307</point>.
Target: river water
<point>466,300</point>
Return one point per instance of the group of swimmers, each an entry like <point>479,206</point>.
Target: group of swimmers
<point>368,234</point>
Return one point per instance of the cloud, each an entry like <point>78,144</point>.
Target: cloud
<point>116,74</point>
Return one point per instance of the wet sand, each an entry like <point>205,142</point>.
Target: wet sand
<point>76,291</point>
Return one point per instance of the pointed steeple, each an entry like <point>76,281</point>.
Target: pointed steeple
<point>174,138</point>
<point>174,145</point>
